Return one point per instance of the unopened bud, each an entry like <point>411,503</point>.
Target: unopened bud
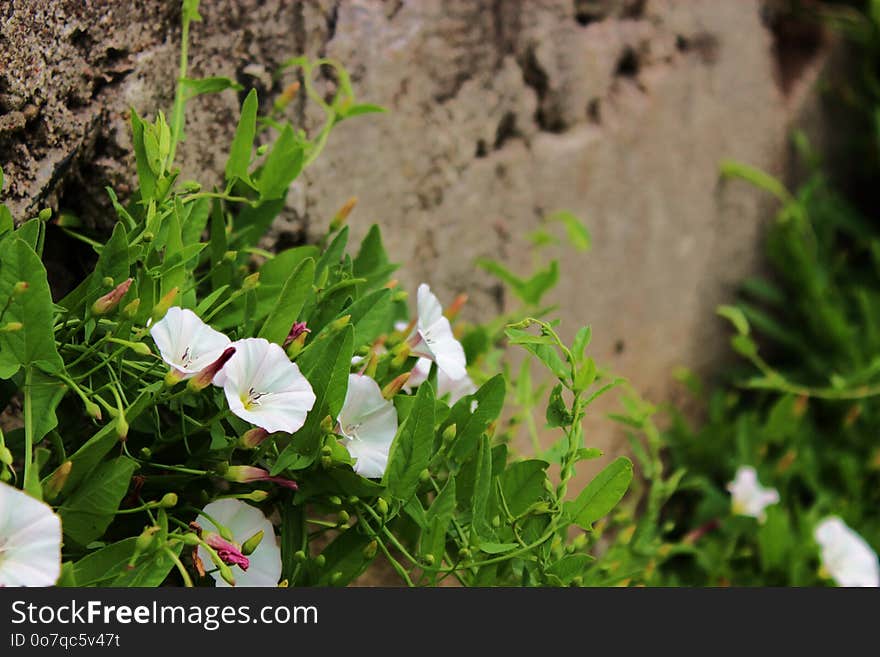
<point>107,281</point>
<point>226,574</point>
<point>57,479</point>
<point>286,96</point>
<point>45,214</point>
<point>335,577</point>
<point>67,220</point>
<point>189,538</point>
<point>425,475</point>
<point>382,506</point>
<point>296,346</point>
<point>148,236</point>
<point>327,426</point>
<point>334,500</point>
<point>401,354</point>
<point>131,308</point>
<point>253,438</point>
<point>299,556</point>
<point>372,365</point>
<point>204,378</point>
<point>168,501</point>
<point>296,330</point>
<point>145,540</point>
<point>401,295</point>
<point>251,281</point>
<point>255,496</point>
<point>121,426</point>
<point>92,409</point>
<point>146,452</point>
<point>251,544</point>
<point>326,462</point>
<point>341,323</point>
<point>164,304</point>
<point>496,521</point>
<point>5,455</point>
<point>370,549</point>
<point>449,433</point>
<point>11,327</point>
<point>395,386</point>
<point>140,348</point>
<point>20,288</point>
<point>320,561</point>
<point>455,307</point>
<point>110,300</point>
<point>464,553</point>
<point>429,559</point>
<point>343,517</point>
<point>230,256</point>
<point>342,215</point>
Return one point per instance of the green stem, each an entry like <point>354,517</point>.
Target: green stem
<point>177,114</point>
<point>187,580</point>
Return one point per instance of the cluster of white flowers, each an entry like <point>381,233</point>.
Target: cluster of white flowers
<point>846,557</point>
<point>263,387</point>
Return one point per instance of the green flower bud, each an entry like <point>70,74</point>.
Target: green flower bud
<point>464,553</point>
<point>121,426</point>
<point>496,521</point>
<point>226,573</point>
<point>145,540</point>
<point>326,462</point>
<point>5,455</point>
<point>168,501</point>
<point>251,544</point>
<point>353,499</point>
<point>299,556</point>
<point>189,538</point>
<point>425,475</point>
<point>429,559</point>
<point>45,214</point>
<point>320,561</point>
<point>131,308</point>
<point>327,426</point>
<point>20,288</point>
<point>93,410</point>
<point>343,517</point>
<point>449,433</point>
<point>146,453</point>
<point>251,281</point>
<point>57,479</point>
<point>335,577</point>
<point>370,549</point>
<point>11,327</point>
<point>107,281</point>
<point>382,507</point>
<point>148,236</point>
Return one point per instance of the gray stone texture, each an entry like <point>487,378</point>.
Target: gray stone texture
<point>499,113</point>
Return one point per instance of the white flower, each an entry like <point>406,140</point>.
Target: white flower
<point>846,557</point>
<point>368,424</point>
<point>432,337</point>
<point>30,540</point>
<point>186,343</point>
<point>455,388</point>
<point>749,497</point>
<point>264,388</point>
<point>244,521</point>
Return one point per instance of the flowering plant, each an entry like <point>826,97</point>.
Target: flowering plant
<point>200,410</point>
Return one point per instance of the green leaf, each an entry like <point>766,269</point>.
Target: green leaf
<point>437,519</point>
<point>46,394</point>
<point>569,567</point>
<point>239,161</point>
<point>146,177</point>
<point>113,263</point>
<point>602,494</point>
<point>283,164</point>
<point>87,513</point>
<point>212,85</point>
<point>578,234</point>
<point>34,343</point>
<point>581,342</point>
<point>291,299</point>
<point>370,316</point>
<point>558,414</point>
<point>412,448</point>
<point>372,261</point>
<point>326,364</point>
<point>491,547</point>
<point>105,564</point>
<point>523,484</point>
<point>481,527</point>
<point>293,539</point>
<point>469,426</point>
<point>736,317</point>
<point>150,571</point>
<point>345,559</point>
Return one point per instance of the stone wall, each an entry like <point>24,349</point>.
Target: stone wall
<point>500,112</point>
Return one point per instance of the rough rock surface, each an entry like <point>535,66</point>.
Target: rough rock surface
<point>500,112</point>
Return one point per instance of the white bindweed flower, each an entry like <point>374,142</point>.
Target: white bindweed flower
<point>264,388</point>
<point>30,540</point>
<point>262,567</point>
<point>186,343</point>
<point>432,337</point>
<point>368,424</point>
<point>455,388</point>
<point>749,497</point>
<point>846,557</point>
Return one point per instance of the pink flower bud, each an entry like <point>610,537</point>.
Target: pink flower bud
<point>228,552</point>
<point>204,378</point>
<point>298,329</point>
<point>247,474</point>
<point>110,300</point>
<point>253,438</point>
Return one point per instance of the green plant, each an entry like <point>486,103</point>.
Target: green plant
<point>278,390</point>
